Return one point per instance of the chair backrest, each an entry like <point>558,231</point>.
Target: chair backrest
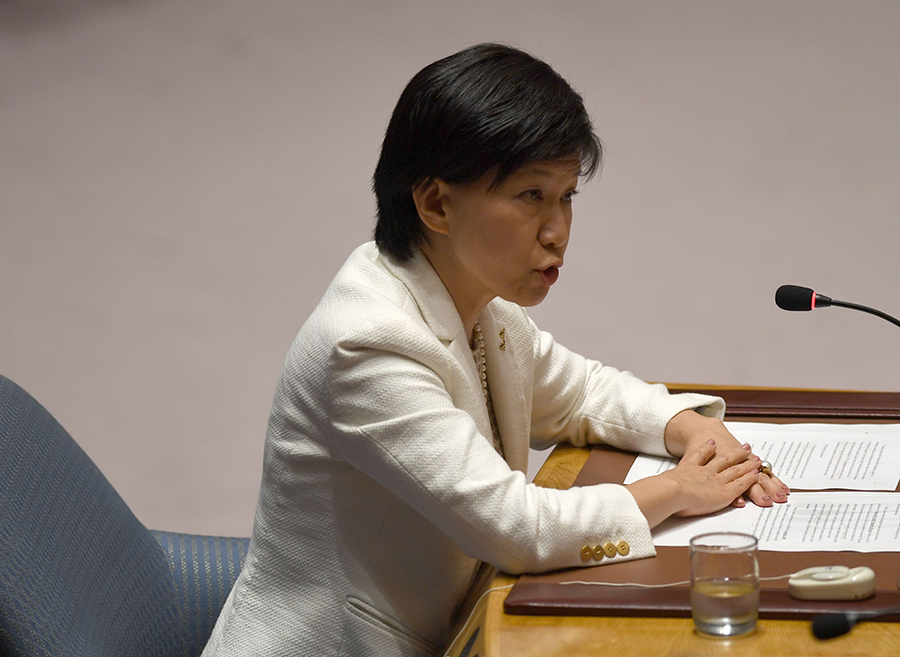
<point>79,574</point>
<point>204,570</point>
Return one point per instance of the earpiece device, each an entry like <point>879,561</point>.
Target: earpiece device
<point>832,583</point>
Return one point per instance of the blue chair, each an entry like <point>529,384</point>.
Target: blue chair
<point>79,574</point>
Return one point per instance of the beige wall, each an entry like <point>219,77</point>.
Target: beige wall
<point>180,181</point>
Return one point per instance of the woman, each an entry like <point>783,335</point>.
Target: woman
<point>400,429</point>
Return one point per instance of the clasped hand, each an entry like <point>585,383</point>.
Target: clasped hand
<point>715,470</point>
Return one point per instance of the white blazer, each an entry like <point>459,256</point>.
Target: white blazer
<point>381,492</point>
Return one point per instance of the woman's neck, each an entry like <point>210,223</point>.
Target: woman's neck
<point>469,305</point>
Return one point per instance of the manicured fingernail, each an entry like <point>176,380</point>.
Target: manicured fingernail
<point>710,442</point>
<point>740,502</point>
<point>745,446</point>
<point>766,498</point>
<point>756,458</point>
<point>780,495</point>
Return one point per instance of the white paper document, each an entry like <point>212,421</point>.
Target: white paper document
<point>821,521</point>
<point>812,456</point>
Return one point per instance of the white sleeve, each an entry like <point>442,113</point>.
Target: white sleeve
<point>585,402</point>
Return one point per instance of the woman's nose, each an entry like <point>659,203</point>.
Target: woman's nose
<point>555,231</point>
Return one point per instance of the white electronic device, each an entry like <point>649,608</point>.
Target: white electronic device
<point>832,583</point>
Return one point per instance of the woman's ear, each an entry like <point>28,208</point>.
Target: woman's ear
<point>429,198</point>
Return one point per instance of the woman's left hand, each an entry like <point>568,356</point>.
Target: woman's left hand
<point>688,430</point>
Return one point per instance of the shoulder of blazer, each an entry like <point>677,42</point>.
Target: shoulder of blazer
<point>423,284</point>
<point>375,301</point>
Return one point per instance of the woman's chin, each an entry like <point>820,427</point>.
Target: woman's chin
<point>529,298</point>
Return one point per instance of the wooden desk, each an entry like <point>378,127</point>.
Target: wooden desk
<point>493,633</point>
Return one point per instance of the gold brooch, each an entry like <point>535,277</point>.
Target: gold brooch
<point>503,339</point>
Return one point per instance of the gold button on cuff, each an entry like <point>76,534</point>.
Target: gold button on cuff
<point>609,549</point>
<point>586,553</point>
<point>623,548</point>
<point>598,552</point>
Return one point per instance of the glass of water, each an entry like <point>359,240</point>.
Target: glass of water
<point>724,583</point>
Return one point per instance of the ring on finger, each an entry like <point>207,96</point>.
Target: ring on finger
<point>766,468</point>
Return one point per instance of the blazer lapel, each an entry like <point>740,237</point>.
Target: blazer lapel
<point>507,394</point>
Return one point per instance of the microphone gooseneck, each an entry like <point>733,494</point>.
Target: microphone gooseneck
<point>795,297</point>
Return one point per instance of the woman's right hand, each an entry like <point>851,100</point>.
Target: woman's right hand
<point>703,482</point>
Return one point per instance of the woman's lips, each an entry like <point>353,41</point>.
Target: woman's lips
<point>549,275</point>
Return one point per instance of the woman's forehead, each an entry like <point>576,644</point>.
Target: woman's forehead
<point>567,168</point>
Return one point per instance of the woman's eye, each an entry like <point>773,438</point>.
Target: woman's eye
<point>532,194</point>
<point>570,195</point>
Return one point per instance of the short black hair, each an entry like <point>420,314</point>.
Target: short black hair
<point>488,106</point>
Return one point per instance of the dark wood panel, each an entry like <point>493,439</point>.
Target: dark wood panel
<point>808,404</point>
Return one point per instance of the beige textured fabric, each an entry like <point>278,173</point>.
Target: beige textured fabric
<point>380,492</point>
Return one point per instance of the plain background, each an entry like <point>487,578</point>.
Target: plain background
<point>180,181</point>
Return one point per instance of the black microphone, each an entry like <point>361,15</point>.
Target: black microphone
<point>830,626</point>
<point>794,297</point>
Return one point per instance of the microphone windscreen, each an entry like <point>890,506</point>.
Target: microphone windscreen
<point>830,626</point>
<point>794,297</point>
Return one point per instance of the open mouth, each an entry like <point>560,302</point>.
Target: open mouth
<point>550,274</point>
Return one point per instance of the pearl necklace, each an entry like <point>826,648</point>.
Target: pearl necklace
<point>481,366</point>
